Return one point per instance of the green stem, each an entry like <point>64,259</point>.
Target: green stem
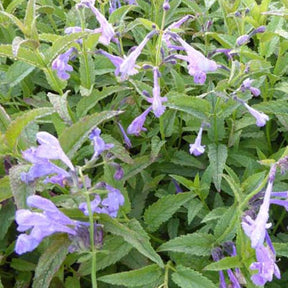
<point>91,230</point>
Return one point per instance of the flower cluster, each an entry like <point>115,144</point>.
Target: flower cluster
<point>256,230</point>
<point>109,205</point>
<point>49,149</point>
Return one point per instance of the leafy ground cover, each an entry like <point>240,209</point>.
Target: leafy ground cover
<point>143,143</point>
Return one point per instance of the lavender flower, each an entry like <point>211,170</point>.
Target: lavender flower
<point>217,255</point>
<point>60,64</point>
<point>125,137</point>
<point>177,186</point>
<point>256,229</point>
<point>196,148</point>
<point>49,148</point>
<point>157,100</point>
<point>265,265</point>
<point>137,124</point>
<point>41,225</point>
<point>198,64</point>
<point>246,85</point>
<point>166,5</point>
<point>128,65</point>
<point>109,205</point>
<point>106,29</point>
<point>261,118</point>
<point>243,39</point>
<point>98,143</point>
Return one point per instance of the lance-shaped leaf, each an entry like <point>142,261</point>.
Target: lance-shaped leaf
<point>135,278</point>
<point>134,234</point>
<point>74,136</point>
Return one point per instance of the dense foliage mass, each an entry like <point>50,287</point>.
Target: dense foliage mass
<point>143,143</point>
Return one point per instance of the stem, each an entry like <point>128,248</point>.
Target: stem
<point>159,44</point>
<point>91,230</point>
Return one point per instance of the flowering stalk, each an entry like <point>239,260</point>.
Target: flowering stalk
<point>91,230</point>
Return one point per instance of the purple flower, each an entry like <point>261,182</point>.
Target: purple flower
<point>106,29</point>
<point>41,225</point>
<point>109,205</point>
<point>198,64</point>
<point>127,67</point>
<point>98,143</point>
<point>125,137</point>
<point>137,124</point>
<point>114,4</point>
<point>157,100</point>
<point>117,62</point>
<point>61,64</point>
<point>261,118</point>
<point>166,5</point>
<point>175,25</point>
<point>246,85</point>
<point>217,255</point>
<point>265,265</point>
<point>196,148</point>
<point>50,148</point>
<point>177,186</point>
<point>243,39</point>
<point>256,229</point>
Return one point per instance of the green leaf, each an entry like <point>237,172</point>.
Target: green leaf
<point>25,55</point>
<point>20,190</point>
<point>278,107</point>
<point>217,155</point>
<point>281,249</point>
<point>5,190</point>
<point>87,74</point>
<point>7,214</point>
<point>60,105</point>
<point>199,244</point>
<point>22,265</point>
<point>147,24</point>
<point>15,20</point>
<point>16,127</point>
<point>30,17</point>
<point>224,264</point>
<point>62,44</point>
<point>196,107</point>
<point>156,145</point>
<point>119,14</point>
<point>134,234</point>
<point>139,165</point>
<point>118,150</point>
<point>116,247</point>
<point>17,72</point>
<point>50,261</point>
<point>140,277</point>
<point>188,278</point>
<point>4,119</point>
<point>163,209</point>
<point>72,282</point>
<point>74,136</point>
<point>87,103</point>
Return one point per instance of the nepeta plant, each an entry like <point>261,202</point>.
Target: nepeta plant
<point>143,143</point>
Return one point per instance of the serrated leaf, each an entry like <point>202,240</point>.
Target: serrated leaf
<point>17,72</point>
<point>25,55</point>
<point>86,103</point>
<point>30,16</point>
<point>139,165</point>
<point>134,234</point>
<point>74,136</point>
<point>163,209</point>
<point>199,244</point>
<point>217,155</point>
<point>156,145</point>
<point>20,190</point>
<point>5,190</point>
<point>60,105</point>
<point>119,14</point>
<point>18,42</point>
<point>50,261</point>
<point>214,214</point>
<point>197,107</point>
<point>188,278</point>
<point>16,127</point>
<point>224,264</point>
<point>134,278</point>
<point>118,150</point>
